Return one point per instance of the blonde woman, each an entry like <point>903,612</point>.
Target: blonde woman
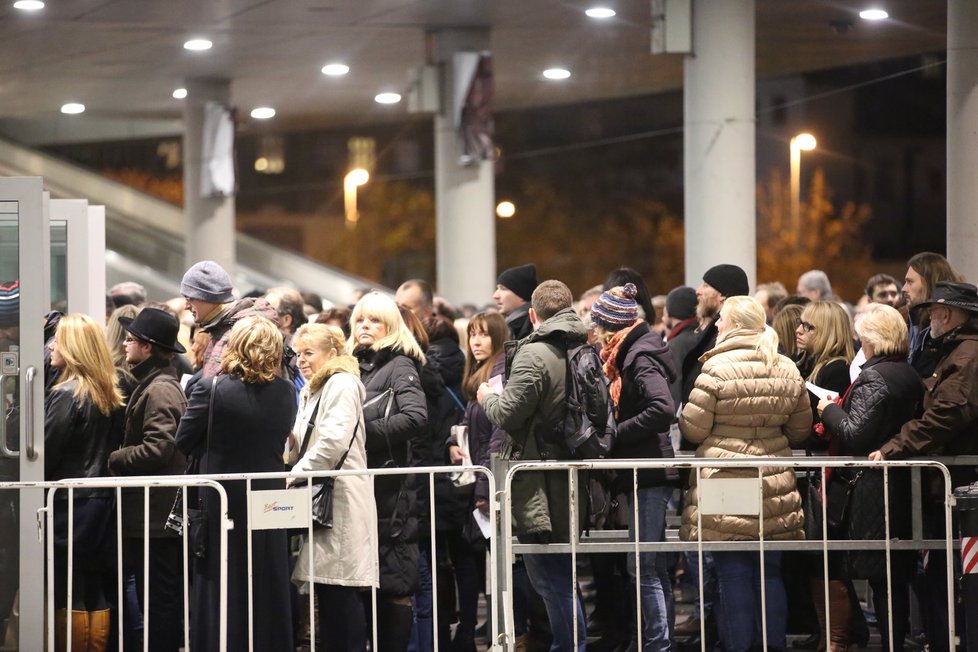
<point>748,401</point>
<point>329,433</point>
<point>115,335</point>
<point>82,426</point>
<point>886,394</point>
<point>825,340</point>
<point>396,419</point>
<point>242,428</point>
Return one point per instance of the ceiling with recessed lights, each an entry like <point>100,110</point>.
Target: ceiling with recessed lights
<point>124,59</point>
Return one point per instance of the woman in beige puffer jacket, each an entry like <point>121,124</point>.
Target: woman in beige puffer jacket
<point>748,401</point>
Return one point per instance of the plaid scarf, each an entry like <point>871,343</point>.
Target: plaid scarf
<point>609,355</point>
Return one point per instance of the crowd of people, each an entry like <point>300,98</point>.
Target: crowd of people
<point>214,384</point>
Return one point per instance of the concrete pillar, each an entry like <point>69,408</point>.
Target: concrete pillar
<point>718,115</point>
<point>209,221</point>
<point>464,194</point>
<point>962,137</point>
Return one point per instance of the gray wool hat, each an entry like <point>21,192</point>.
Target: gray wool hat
<point>207,281</point>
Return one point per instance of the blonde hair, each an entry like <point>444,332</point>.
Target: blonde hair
<point>323,337</point>
<point>882,327</point>
<point>115,334</point>
<point>254,350</point>
<point>381,306</point>
<point>747,313</point>
<point>834,335</point>
<point>83,347</point>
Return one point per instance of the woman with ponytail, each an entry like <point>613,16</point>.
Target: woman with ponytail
<point>748,401</point>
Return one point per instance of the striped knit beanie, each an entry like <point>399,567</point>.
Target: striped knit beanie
<point>616,308</point>
<point>9,304</point>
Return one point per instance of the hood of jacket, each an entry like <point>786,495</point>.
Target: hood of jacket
<point>644,341</point>
<point>341,363</point>
<point>449,360</point>
<point>740,338</point>
<point>565,327</point>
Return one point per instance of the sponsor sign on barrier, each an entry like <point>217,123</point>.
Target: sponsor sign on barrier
<point>740,496</point>
<point>279,509</point>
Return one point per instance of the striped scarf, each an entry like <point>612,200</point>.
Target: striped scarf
<point>609,355</point>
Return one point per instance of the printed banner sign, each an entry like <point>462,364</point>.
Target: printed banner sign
<point>279,509</point>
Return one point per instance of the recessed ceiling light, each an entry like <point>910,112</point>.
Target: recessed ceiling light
<point>387,98</point>
<point>29,5</point>
<point>556,73</point>
<point>263,113</point>
<point>180,93</point>
<point>336,69</point>
<point>198,45</point>
<point>600,12</point>
<point>873,14</point>
<point>72,108</point>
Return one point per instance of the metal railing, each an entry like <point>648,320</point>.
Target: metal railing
<point>587,543</point>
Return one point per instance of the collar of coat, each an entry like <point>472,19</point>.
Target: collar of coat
<point>341,363</point>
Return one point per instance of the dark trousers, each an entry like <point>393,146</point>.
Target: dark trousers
<point>163,621</point>
<point>342,623</point>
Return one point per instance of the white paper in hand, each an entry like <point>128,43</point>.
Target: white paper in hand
<point>821,392</point>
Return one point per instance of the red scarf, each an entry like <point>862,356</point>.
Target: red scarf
<point>679,327</point>
<point>609,355</point>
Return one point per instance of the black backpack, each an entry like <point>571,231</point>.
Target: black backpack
<point>588,429</point>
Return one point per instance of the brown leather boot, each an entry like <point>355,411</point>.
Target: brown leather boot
<point>79,630</point>
<point>99,626</point>
<point>838,612</point>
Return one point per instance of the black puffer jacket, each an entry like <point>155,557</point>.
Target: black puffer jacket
<point>645,408</point>
<point>886,395</point>
<point>78,438</point>
<point>390,442</point>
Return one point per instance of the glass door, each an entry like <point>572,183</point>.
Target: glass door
<point>25,296</point>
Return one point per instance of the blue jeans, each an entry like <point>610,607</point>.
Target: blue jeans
<point>658,612</point>
<point>551,576</point>
<point>739,618</point>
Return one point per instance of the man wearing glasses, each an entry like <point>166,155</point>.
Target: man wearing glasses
<point>152,416</point>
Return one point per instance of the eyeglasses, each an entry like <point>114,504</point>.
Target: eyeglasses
<point>130,339</point>
<point>809,327</point>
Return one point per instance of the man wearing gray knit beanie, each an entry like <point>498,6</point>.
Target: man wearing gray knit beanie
<point>207,288</point>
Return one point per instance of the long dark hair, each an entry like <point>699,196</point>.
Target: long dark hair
<point>476,373</point>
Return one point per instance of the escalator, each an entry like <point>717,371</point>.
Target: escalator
<point>144,236</point>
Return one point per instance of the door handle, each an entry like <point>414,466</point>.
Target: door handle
<point>28,411</point>
<point>5,450</point>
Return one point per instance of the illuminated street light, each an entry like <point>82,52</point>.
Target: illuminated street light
<point>355,177</point>
<point>800,142</point>
<point>505,209</point>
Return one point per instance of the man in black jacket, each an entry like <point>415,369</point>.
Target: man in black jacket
<point>152,417</point>
<point>514,288</point>
<point>719,282</point>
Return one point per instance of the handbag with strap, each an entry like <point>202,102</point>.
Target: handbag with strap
<point>385,399</point>
<point>196,516</point>
<point>322,497</point>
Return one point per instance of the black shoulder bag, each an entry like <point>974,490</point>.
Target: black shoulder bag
<point>322,497</point>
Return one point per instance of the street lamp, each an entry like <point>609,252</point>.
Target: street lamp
<point>355,177</point>
<point>800,142</point>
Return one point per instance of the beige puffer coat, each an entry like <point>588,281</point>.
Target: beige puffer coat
<point>345,555</point>
<point>740,408</point>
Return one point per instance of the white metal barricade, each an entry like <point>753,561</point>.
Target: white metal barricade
<point>577,543</point>
<point>46,537</point>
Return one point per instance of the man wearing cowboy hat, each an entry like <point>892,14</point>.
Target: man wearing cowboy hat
<point>948,425</point>
<point>154,411</point>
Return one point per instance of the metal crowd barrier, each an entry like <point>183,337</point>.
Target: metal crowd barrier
<point>501,631</point>
<point>299,499</point>
<point>624,543</point>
